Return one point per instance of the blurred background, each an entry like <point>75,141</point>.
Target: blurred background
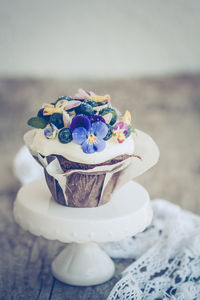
<point>145,54</point>
<point>98,39</point>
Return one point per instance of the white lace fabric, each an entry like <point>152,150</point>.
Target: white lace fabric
<point>167,254</point>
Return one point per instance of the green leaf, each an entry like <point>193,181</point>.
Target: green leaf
<point>37,122</point>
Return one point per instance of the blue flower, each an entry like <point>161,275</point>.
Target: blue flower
<point>89,133</point>
<point>51,131</point>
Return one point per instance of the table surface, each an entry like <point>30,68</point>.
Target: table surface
<point>166,108</point>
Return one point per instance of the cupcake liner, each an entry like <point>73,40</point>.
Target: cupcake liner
<point>82,185</point>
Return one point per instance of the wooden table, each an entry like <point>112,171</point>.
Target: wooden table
<point>166,108</point>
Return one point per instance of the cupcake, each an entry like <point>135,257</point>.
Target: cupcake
<point>85,145</point>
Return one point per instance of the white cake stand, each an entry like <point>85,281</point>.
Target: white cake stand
<point>83,262</point>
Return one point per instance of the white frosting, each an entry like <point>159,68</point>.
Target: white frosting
<point>38,143</point>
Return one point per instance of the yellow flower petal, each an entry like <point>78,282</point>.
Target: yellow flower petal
<point>99,98</point>
<point>127,118</point>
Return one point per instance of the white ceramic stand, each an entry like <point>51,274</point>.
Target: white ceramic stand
<point>83,262</point>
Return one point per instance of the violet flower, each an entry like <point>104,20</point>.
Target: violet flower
<point>89,134</point>
<point>120,130</point>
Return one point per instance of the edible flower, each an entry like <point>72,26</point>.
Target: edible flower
<point>86,95</point>
<point>83,95</point>
<point>127,118</point>
<point>105,98</point>
<point>89,133</point>
<point>122,128</point>
<point>51,131</point>
<point>69,105</point>
<point>50,109</point>
<point>59,107</point>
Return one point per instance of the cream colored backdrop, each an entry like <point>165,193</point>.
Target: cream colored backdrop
<point>116,38</point>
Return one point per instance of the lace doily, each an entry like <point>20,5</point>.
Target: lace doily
<point>166,256</point>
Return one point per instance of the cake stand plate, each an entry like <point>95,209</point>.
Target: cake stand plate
<point>83,262</point>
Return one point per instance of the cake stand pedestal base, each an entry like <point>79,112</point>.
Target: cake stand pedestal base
<point>83,265</point>
<point>83,262</point>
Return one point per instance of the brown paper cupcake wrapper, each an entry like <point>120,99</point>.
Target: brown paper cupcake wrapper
<point>82,185</point>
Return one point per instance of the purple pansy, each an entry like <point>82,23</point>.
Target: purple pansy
<point>96,118</point>
<point>80,121</point>
<point>89,133</point>
<point>121,125</point>
<point>120,130</point>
